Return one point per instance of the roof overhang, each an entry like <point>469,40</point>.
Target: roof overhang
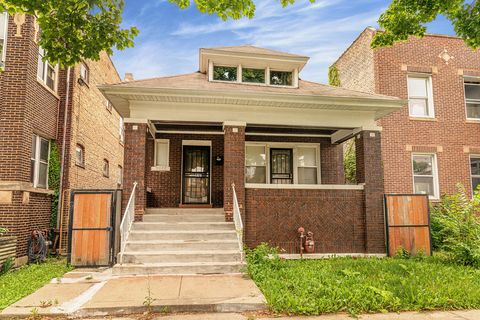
<point>251,60</point>
<point>122,97</point>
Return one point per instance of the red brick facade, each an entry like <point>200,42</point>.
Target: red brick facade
<point>449,134</point>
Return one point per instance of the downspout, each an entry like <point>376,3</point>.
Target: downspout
<point>62,166</point>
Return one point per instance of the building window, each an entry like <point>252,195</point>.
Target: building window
<point>46,73</point>
<point>253,75</point>
<point>282,163</point>
<point>420,99</point>
<point>80,155</point>
<point>475,171</point>
<point>121,128</point>
<point>108,106</point>
<point>307,163</point>
<point>281,78</point>
<point>3,37</point>
<point>39,162</point>
<point>162,149</point>
<point>255,164</point>
<point>120,175</point>
<point>106,168</point>
<point>84,73</point>
<point>425,175</point>
<point>472,100</point>
<point>225,73</point>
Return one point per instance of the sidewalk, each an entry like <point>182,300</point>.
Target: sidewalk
<point>91,293</point>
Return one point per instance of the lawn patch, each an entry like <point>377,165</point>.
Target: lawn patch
<point>19,283</point>
<point>364,285</point>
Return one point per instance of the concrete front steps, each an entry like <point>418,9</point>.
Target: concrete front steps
<point>181,241</point>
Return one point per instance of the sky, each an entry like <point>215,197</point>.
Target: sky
<point>169,37</point>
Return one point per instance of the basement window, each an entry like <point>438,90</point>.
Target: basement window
<point>3,37</point>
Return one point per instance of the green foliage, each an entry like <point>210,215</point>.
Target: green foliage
<point>23,281</point>
<point>225,9</point>
<point>310,287</point>
<point>7,265</point>
<point>253,75</point>
<point>54,167</point>
<point>333,76</point>
<point>3,231</point>
<point>76,29</point>
<point>350,162</point>
<point>225,73</point>
<point>455,227</point>
<point>405,18</point>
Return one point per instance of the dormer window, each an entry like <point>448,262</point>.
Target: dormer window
<point>281,78</point>
<point>253,75</point>
<point>222,73</point>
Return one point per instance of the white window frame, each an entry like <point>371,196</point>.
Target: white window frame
<point>436,187</point>
<point>430,104</point>
<point>120,175</point>
<point>294,147</point>
<point>106,173</point>
<point>43,79</point>
<point>465,83</point>
<point>155,166</point>
<point>37,161</point>
<point>3,53</point>
<point>473,156</point>
<point>82,148</point>
<point>84,72</point>
<point>121,129</point>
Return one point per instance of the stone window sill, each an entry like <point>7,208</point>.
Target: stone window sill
<point>160,169</point>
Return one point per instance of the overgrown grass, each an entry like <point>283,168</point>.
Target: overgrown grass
<point>19,283</point>
<point>363,285</point>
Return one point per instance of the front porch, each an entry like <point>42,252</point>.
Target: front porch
<point>285,177</point>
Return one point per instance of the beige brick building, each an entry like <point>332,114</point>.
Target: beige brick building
<point>431,144</point>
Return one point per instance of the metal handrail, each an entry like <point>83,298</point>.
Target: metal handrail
<point>237,219</point>
<point>127,221</point>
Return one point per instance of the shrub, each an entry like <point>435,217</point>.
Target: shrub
<point>3,231</point>
<point>455,227</point>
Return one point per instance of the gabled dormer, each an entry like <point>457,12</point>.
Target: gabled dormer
<point>251,65</point>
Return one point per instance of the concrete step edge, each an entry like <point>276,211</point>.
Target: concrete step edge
<point>178,241</point>
<point>182,252</point>
<point>215,231</point>
<point>179,264</point>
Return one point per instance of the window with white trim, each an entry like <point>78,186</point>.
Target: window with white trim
<point>425,174</point>
<point>281,163</point>
<point>84,73</point>
<point>475,171</point>
<point>472,99</point>
<point>255,164</point>
<point>106,168</point>
<point>3,37</point>
<point>162,149</point>
<point>120,175</point>
<point>46,72</point>
<point>223,73</point>
<point>80,155</point>
<point>420,98</point>
<point>39,162</point>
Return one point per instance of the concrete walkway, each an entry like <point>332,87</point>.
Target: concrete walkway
<point>99,293</point>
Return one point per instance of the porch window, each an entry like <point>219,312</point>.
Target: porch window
<point>3,37</point>
<point>256,164</point>
<point>420,100</point>
<point>425,174</point>
<point>225,73</point>
<point>475,171</point>
<point>39,162</point>
<point>472,100</point>
<point>282,163</point>
<point>307,165</point>
<point>162,149</point>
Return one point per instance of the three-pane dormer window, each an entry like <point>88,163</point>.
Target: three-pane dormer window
<point>252,75</point>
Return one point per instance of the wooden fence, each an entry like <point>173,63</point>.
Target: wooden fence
<point>408,223</point>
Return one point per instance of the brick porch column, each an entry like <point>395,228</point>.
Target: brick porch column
<point>370,171</point>
<point>134,166</point>
<point>234,166</point>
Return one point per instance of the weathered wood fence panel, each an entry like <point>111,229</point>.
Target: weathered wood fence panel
<point>408,223</point>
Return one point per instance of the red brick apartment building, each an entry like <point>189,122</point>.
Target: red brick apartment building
<point>433,143</point>
<point>33,106</point>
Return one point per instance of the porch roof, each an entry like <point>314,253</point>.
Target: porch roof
<point>195,88</point>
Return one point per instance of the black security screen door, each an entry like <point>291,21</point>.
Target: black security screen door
<point>281,166</point>
<point>196,175</point>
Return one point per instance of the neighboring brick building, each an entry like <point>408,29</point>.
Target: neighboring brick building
<point>433,143</point>
<point>32,109</point>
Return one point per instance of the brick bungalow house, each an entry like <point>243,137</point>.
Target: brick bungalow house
<point>432,143</point>
<point>33,98</point>
<point>247,122</point>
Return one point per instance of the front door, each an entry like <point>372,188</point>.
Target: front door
<point>281,166</point>
<point>196,175</point>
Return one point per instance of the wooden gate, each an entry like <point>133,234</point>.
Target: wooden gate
<point>408,223</point>
<point>92,221</point>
